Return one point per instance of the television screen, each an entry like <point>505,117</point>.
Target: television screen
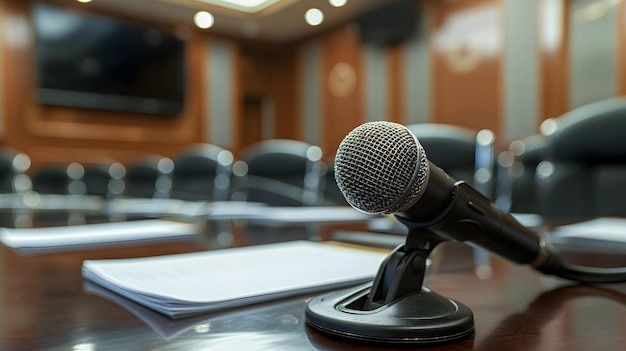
<point>90,61</point>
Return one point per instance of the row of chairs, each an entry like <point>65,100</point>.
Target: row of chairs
<point>277,172</point>
<point>575,167</point>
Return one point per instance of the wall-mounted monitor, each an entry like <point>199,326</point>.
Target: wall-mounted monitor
<point>96,62</point>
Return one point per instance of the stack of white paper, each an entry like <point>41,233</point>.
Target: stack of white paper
<point>188,284</point>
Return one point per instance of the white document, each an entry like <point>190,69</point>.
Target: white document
<point>311,214</point>
<point>254,212</point>
<point>188,284</point>
<point>64,237</point>
<point>157,207</point>
<point>605,234</point>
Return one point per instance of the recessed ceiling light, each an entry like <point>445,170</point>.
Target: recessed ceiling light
<point>337,3</point>
<point>203,19</point>
<point>249,6</point>
<point>84,1</point>
<point>314,17</point>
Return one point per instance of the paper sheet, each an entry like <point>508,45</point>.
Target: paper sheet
<point>605,234</point>
<point>54,238</point>
<point>188,284</point>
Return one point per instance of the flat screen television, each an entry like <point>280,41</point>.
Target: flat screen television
<point>96,62</point>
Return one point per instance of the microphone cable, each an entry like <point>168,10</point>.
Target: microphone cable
<point>583,274</point>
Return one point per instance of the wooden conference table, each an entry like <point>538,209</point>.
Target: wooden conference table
<point>46,305</point>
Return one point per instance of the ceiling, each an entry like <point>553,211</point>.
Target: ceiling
<point>282,22</point>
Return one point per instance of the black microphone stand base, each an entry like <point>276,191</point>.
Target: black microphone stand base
<point>419,318</point>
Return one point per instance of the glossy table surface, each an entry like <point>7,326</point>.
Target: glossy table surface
<point>46,305</point>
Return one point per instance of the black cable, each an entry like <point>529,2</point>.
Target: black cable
<point>584,274</point>
<point>592,275</point>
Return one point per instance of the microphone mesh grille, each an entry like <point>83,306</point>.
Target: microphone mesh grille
<point>380,167</point>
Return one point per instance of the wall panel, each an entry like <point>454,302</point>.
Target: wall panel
<point>593,66</point>
<point>521,65</point>
<point>621,48</point>
<point>309,86</point>
<point>417,74</point>
<point>268,76</point>
<point>553,51</point>
<point>466,45</point>
<point>342,86</point>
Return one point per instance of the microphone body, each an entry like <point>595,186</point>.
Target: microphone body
<point>454,210</point>
<point>381,168</point>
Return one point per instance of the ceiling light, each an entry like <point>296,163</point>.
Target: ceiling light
<point>337,3</point>
<point>314,17</point>
<point>203,19</point>
<point>84,1</point>
<point>249,6</point>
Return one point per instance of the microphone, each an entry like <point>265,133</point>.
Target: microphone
<point>381,168</point>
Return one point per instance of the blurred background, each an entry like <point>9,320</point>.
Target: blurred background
<point>85,81</point>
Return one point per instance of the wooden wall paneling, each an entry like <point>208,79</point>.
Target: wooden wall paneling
<point>16,42</point>
<point>50,134</point>
<point>553,51</point>
<point>396,84</point>
<point>282,79</point>
<point>466,53</point>
<point>2,70</point>
<point>237,97</point>
<point>342,84</point>
<point>268,80</point>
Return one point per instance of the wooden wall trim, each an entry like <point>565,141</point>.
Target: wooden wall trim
<point>553,52</point>
<point>396,84</point>
<point>342,106</point>
<point>466,65</point>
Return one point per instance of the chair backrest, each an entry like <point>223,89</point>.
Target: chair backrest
<point>105,179</point>
<point>527,154</point>
<point>585,171</point>
<point>13,168</point>
<point>281,172</point>
<point>149,177</point>
<point>331,193</point>
<point>461,152</point>
<point>202,172</point>
<point>60,179</point>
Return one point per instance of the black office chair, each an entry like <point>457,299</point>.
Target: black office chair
<point>60,179</point>
<point>60,195</point>
<point>461,152</point>
<point>330,191</point>
<point>202,172</point>
<point>13,168</point>
<point>585,171</point>
<point>105,179</point>
<point>281,172</point>
<point>527,154</point>
<point>149,177</point>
